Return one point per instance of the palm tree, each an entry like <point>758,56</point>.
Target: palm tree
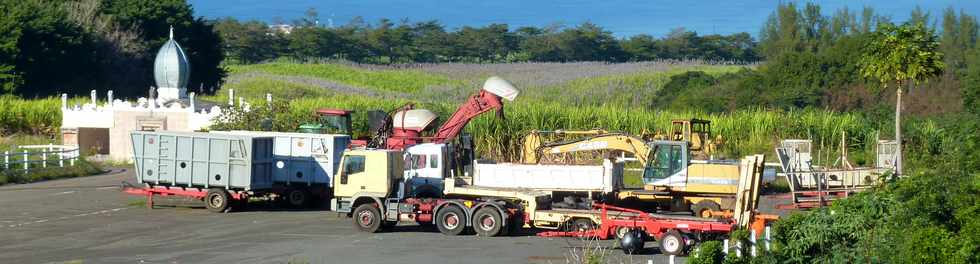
<point>903,55</point>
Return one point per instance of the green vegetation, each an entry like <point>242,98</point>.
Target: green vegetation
<point>387,80</point>
<point>82,168</point>
<point>34,117</point>
<point>51,47</point>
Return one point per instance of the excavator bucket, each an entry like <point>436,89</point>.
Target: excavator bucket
<point>501,87</point>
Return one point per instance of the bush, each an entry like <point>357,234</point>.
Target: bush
<point>709,252</point>
<point>81,168</point>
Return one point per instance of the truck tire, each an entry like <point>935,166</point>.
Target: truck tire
<point>582,224</point>
<point>488,222</point>
<point>451,220</point>
<point>632,241</point>
<point>367,218</point>
<point>672,243</point>
<point>298,197</point>
<point>702,208</point>
<point>217,200</point>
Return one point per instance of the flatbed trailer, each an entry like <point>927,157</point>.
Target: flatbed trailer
<point>675,233</point>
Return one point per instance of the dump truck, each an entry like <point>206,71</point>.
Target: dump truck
<point>371,188</point>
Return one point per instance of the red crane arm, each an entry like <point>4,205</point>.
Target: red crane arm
<point>473,107</point>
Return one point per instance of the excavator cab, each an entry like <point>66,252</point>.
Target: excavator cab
<point>696,131</point>
<point>330,121</point>
<point>668,163</point>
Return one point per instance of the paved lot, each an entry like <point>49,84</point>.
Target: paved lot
<point>88,220</point>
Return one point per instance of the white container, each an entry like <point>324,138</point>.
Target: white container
<point>578,178</point>
<point>303,158</point>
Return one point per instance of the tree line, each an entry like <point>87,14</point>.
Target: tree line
<point>812,61</point>
<point>50,47</point>
<point>429,41</point>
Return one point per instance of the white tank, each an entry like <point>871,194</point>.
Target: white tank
<point>416,119</point>
<point>501,87</point>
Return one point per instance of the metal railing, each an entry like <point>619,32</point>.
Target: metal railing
<point>33,157</point>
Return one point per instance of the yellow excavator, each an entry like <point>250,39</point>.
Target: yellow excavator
<point>671,176</point>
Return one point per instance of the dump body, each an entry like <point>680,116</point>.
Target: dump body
<point>606,178</point>
<point>301,158</point>
<point>203,160</point>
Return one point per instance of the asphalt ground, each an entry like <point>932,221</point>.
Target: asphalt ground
<point>89,220</point>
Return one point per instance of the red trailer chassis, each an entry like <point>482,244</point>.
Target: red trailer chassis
<point>653,225</point>
<point>196,193</point>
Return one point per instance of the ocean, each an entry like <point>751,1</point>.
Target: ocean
<point>622,17</point>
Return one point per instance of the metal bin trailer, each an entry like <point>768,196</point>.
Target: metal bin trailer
<point>303,163</point>
<point>217,168</point>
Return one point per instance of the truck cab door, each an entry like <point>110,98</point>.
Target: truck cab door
<point>352,177</point>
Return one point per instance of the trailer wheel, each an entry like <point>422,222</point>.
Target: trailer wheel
<point>488,222</point>
<point>582,224</point>
<point>217,200</point>
<point>704,207</point>
<point>672,243</point>
<point>451,220</point>
<point>297,197</point>
<point>367,218</point>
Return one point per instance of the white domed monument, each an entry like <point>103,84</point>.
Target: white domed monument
<point>171,70</point>
<point>102,128</point>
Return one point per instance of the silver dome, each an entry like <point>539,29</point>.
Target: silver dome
<point>171,69</point>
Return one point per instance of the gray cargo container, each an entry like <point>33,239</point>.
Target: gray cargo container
<point>203,160</point>
<point>302,158</point>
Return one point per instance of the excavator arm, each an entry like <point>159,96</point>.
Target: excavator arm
<point>612,141</point>
<point>489,98</point>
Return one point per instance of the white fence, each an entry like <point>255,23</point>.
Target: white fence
<point>35,157</point>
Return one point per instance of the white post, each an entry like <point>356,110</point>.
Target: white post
<point>650,261</point>
<point>6,160</point>
<point>738,249</point>
<point>26,165</point>
<point>898,131</point>
<point>671,259</point>
<point>768,239</point>
<point>192,101</point>
<point>73,157</point>
<point>109,97</point>
<point>93,95</point>
<point>268,99</point>
<point>752,240</point>
<point>231,97</point>
<point>241,101</point>
<point>64,101</point>
<point>725,249</point>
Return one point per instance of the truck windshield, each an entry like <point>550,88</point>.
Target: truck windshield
<point>335,124</point>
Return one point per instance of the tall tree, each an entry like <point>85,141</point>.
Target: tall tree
<point>197,36</point>
<point>903,55</point>
<point>10,79</point>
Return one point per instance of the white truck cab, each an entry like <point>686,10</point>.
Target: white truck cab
<point>426,165</point>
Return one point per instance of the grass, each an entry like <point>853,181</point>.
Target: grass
<point>384,80</point>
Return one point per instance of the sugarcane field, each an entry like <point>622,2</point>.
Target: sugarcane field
<point>189,131</point>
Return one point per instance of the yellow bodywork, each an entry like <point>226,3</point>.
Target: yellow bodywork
<point>368,171</point>
<point>534,149</point>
